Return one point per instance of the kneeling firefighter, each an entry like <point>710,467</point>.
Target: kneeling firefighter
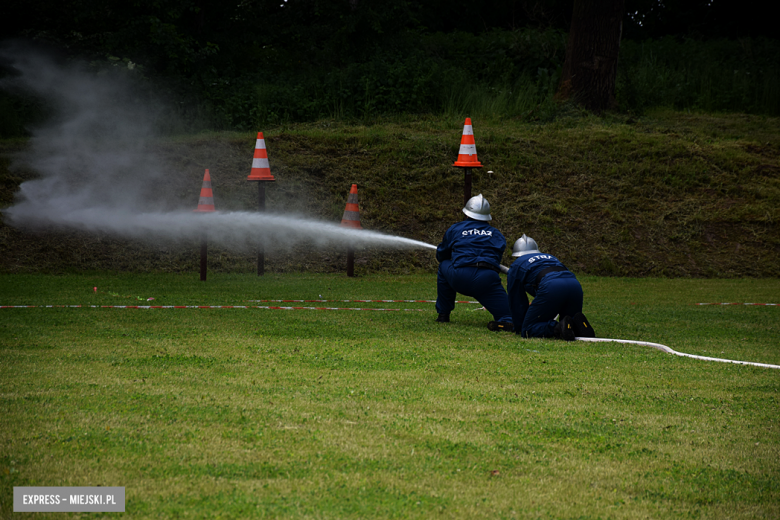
<point>555,289</point>
<point>469,258</point>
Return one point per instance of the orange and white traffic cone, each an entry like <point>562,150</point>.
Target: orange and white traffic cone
<point>351,218</point>
<point>206,201</point>
<point>467,156</point>
<point>261,170</point>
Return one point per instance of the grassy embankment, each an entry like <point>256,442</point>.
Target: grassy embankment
<point>665,194</point>
<point>356,414</point>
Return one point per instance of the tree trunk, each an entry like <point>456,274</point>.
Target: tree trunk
<point>590,68</point>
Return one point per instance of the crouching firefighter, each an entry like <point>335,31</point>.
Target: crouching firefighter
<point>469,258</point>
<point>555,289</point>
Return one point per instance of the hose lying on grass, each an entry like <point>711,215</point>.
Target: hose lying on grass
<point>683,354</point>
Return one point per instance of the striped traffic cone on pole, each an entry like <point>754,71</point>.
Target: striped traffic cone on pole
<point>351,219</point>
<point>467,158</point>
<point>206,200</point>
<point>261,172</point>
<point>205,205</point>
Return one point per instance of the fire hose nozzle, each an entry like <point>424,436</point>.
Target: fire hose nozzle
<point>504,269</point>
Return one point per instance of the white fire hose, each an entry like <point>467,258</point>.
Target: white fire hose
<point>683,354</point>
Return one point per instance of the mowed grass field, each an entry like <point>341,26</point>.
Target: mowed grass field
<point>257,413</point>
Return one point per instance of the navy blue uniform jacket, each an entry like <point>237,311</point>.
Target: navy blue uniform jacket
<point>471,241</point>
<point>521,279</point>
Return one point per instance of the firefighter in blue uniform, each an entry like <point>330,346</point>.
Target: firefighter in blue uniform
<point>469,258</point>
<point>555,289</point>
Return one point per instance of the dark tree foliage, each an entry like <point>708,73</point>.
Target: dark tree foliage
<point>170,36</point>
<point>202,37</point>
<point>224,54</point>
<point>700,19</point>
<point>180,36</point>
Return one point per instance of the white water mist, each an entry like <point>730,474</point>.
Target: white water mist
<point>99,170</point>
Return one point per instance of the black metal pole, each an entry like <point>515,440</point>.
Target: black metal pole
<point>466,185</point>
<point>204,254</point>
<point>261,209</point>
<point>350,262</point>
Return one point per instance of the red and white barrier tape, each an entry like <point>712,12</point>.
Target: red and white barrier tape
<point>668,350</point>
<point>774,304</point>
<point>201,307</point>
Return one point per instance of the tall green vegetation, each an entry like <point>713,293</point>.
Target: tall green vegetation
<point>504,74</point>
<point>245,83</point>
<point>717,75</point>
<point>500,72</point>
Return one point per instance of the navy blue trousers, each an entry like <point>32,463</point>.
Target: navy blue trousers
<point>557,294</point>
<point>481,284</point>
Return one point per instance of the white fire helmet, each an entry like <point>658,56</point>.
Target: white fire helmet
<point>478,208</point>
<point>525,246</point>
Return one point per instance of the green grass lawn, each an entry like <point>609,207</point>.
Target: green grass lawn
<point>254,413</point>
